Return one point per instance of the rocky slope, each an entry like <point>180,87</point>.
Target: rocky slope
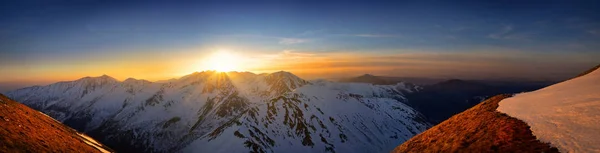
<point>23,129</point>
<point>232,112</point>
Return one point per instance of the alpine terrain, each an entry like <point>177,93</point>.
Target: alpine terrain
<point>561,117</point>
<point>23,129</point>
<point>439,99</point>
<point>232,112</point>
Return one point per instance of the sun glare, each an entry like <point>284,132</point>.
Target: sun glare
<point>224,61</point>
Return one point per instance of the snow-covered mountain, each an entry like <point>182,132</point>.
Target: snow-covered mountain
<point>232,112</point>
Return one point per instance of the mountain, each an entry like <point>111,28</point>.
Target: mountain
<point>561,117</point>
<point>421,81</point>
<point>440,101</point>
<point>23,129</point>
<point>367,78</point>
<point>232,112</point>
<point>383,80</point>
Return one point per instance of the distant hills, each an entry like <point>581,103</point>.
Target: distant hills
<point>439,99</point>
<point>386,80</point>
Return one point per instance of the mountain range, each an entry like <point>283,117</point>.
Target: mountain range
<point>440,99</point>
<point>232,112</point>
<point>276,112</point>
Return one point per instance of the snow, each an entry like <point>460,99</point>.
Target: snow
<point>371,118</point>
<point>92,143</point>
<point>567,114</point>
<point>368,129</point>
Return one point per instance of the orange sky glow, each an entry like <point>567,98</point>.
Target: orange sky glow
<point>308,65</point>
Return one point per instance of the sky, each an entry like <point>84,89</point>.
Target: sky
<point>48,41</point>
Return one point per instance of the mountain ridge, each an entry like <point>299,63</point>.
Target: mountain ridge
<point>244,111</point>
<point>485,131</point>
<point>484,128</point>
<point>23,129</point>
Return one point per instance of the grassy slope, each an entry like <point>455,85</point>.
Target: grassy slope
<point>588,71</point>
<point>478,129</point>
<point>23,129</point>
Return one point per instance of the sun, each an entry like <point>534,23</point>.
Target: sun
<point>224,61</point>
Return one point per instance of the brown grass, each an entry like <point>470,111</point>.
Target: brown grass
<point>23,129</point>
<point>478,129</point>
<point>588,71</point>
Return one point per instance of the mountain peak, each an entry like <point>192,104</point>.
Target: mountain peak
<point>367,78</point>
<point>282,73</point>
<point>103,77</point>
<point>215,103</point>
<point>367,75</point>
<point>196,76</point>
<point>133,80</point>
<point>283,81</point>
<point>130,79</point>
<point>286,75</point>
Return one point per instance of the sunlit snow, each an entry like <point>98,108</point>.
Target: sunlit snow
<point>234,112</point>
<point>566,114</point>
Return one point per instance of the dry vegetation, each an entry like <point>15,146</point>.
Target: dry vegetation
<point>23,129</point>
<point>478,129</point>
<point>588,71</point>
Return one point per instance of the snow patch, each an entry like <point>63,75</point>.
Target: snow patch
<point>566,114</point>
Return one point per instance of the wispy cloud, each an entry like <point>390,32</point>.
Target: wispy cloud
<point>459,29</point>
<point>594,32</point>
<point>502,33</point>
<point>519,36</point>
<point>450,37</point>
<point>493,64</point>
<point>291,55</point>
<point>376,35</point>
<point>290,41</point>
<point>508,33</point>
<point>312,32</point>
<point>278,39</point>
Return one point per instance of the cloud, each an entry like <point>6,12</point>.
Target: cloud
<point>459,29</point>
<point>290,41</point>
<point>502,33</point>
<point>287,56</point>
<point>376,36</point>
<point>291,54</point>
<point>497,64</point>
<point>594,32</point>
<point>311,32</point>
<point>507,33</point>
<point>451,37</point>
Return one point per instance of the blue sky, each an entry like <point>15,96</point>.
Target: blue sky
<point>36,34</point>
<point>92,26</point>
